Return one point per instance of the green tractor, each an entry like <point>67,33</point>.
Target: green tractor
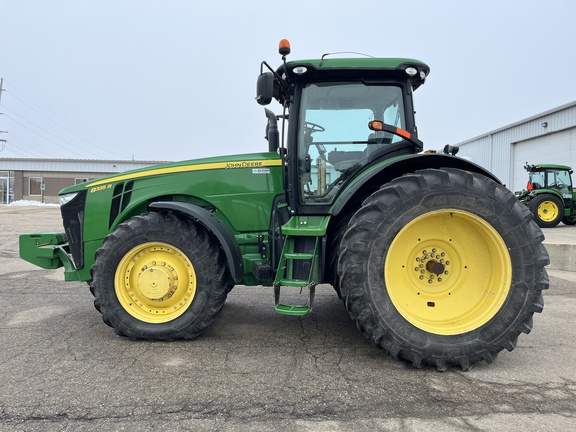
<point>549,195</point>
<point>435,260</point>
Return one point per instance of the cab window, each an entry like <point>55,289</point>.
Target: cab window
<point>334,138</point>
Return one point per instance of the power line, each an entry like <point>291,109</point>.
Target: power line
<point>61,126</point>
<point>43,137</point>
<point>75,148</point>
<point>31,149</point>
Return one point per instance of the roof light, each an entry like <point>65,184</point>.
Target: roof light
<point>300,70</point>
<point>422,74</point>
<point>411,71</point>
<point>284,47</point>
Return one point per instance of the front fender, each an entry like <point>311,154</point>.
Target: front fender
<point>215,226</point>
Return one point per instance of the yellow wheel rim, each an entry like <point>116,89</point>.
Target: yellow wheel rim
<point>155,282</point>
<point>548,211</point>
<point>448,272</point>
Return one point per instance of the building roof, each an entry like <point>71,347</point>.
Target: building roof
<point>73,165</point>
<point>520,122</point>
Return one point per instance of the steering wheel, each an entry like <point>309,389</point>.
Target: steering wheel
<point>313,127</point>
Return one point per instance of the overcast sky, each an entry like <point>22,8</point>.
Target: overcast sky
<point>175,79</point>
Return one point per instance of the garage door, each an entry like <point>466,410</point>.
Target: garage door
<point>556,148</point>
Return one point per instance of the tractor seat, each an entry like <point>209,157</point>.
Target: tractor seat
<point>342,160</point>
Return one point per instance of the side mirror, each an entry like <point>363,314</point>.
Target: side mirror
<point>265,88</point>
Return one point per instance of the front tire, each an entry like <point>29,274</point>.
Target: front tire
<point>442,268</point>
<point>159,276</point>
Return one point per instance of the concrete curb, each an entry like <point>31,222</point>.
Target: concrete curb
<point>562,256</point>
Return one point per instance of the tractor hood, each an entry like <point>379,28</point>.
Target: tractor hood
<point>238,189</point>
<point>252,160</point>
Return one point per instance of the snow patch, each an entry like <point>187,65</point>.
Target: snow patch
<point>28,203</point>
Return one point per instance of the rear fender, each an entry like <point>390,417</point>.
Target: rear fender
<point>215,226</point>
<point>549,192</point>
<point>376,175</point>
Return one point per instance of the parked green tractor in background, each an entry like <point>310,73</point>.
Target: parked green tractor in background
<point>435,260</point>
<point>549,195</point>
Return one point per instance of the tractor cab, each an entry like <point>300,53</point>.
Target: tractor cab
<point>555,177</point>
<point>345,114</point>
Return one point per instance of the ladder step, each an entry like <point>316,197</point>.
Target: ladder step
<point>299,256</point>
<point>294,282</point>
<point>293,310</point>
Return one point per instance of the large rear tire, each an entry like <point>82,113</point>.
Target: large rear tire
<point>569,220</point>
<point>159,276</point>
<point>442,268</point>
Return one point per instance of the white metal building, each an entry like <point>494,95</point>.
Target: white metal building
<point>549,137</point>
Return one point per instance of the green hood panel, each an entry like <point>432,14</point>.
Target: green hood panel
<point>240,189</point>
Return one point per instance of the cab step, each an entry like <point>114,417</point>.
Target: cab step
<point>299,256</point>
<point>299,267</point>
<point>293,310</point>
<point>294,282</point>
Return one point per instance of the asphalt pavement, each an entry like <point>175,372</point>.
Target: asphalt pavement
<point>63,369</point>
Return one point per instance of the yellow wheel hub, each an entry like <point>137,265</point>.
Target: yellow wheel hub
<point>155,282</point>
<point>548,211</point>
<point>448,272</point>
